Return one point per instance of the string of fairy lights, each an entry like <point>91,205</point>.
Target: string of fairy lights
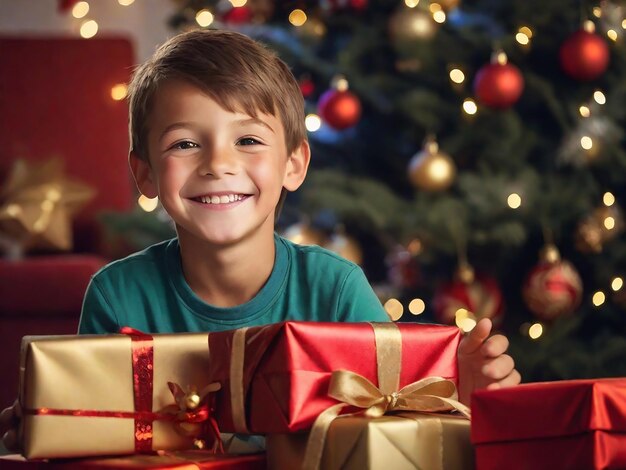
<point>586,140</point>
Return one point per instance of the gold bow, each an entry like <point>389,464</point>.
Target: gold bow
<point>432,394</point>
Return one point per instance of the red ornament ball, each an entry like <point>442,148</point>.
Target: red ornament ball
<point>481,298</point>
<point>238,15</point>
<point>498,85</point>
<point>552,289</point>
<point>339,109</point>
<point>584,56</point>
<point>307,87</point>
<point>403,270</point>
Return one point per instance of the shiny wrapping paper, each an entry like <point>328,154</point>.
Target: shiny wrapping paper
<point>183,460</point>
<point>281,373</point>
<point>94,375</point>
<point>406,441</point>
<point>573,424</point>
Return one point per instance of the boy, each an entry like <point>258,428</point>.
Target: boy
<point>217,133</point>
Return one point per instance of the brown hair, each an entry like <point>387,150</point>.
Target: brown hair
<point>234,70</point>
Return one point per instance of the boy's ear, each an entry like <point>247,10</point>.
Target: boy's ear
<point>142,173</point>
<point>297,166</point>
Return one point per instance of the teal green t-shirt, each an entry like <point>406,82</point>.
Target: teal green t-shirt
<point>148,291</point>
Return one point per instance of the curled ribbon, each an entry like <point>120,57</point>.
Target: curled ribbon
<point>431,394</point>
<point>198,411</point>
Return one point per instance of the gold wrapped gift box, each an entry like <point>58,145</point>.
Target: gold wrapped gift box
<point>403,441</point>
<point>93,375</point>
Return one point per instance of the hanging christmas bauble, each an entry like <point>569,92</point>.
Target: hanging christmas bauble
<point>468,298</point>
<point>313,29</point>
<point>339,109</point>
<point>409,24</point>
<point>238,15</point>
<point>346,247</point>
<point>602,225</point>
<point>261,10</point>
<point>584,55</point>
<point>307,87</point>
<point>498,84</point>
<point>588,238</point>
<point>402,268</point>
<point>431,169</point>
<point>303,234</point>
<point>553,287</point>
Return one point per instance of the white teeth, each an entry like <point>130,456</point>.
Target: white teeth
<point>220,199</point>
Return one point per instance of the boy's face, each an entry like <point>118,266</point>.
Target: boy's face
<point>218,174</point>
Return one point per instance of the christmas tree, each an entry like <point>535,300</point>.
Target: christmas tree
<point>470,155</point>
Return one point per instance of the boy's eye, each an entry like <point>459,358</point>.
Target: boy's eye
<point>184,145</point>
<point>248,141</point>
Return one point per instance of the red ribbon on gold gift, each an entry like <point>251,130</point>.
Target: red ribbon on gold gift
<point>142,352</point>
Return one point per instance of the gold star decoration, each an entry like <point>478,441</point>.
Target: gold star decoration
<point>37,205</point>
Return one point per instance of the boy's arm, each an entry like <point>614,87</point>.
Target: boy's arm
<point>357,302</point>
<point>98,315</point>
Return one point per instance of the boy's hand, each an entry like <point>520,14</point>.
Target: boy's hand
<point>482,362</point>
<point>9,422</point>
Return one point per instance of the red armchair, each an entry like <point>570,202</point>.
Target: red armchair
<point>55,100</point>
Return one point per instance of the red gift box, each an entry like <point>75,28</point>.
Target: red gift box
<point>276,377</point>
<point>568,424</point>
<point>184,460</point>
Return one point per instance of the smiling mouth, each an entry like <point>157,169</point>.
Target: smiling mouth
<point>223,199</point>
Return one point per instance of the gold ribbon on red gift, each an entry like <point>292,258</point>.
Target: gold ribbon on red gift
<point>180,413</point>
<point>431,394</point>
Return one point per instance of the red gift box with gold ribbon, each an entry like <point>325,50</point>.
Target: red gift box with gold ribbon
<point>92,395</point>
<point>577,424</point>
<point>275,378</point>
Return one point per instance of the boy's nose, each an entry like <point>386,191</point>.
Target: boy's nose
<point>218,162</point>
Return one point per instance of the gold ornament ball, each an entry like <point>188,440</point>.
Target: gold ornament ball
<point>192,401</point>
<point>313,29</point>
<point>589,238</point>
<point>408,24</point>
<point>304,234</point>
<point>431,170</point>
<point>346,247</point>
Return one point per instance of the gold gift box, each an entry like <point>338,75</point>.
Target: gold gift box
<point>404,441</point>
<point>95,372</point>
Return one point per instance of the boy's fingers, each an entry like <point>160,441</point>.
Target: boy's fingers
<point>514,378</point>
<point>498,368</point>
<point>475,338</point>
<point>495,346</point>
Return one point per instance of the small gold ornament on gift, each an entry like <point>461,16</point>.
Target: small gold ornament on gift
<point>37,205</point>
<point>431,169</point>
